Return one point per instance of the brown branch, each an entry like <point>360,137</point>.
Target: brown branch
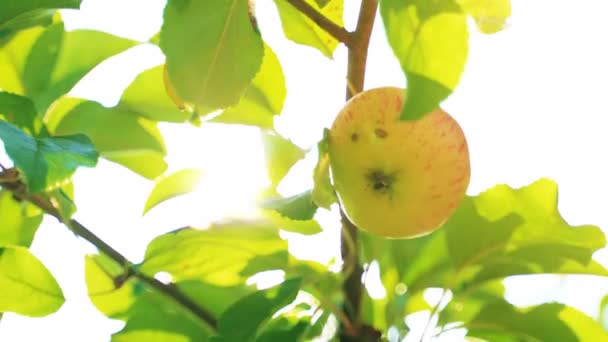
<point>169,290</point>
<point>335,30</point>
<point>353,287</point>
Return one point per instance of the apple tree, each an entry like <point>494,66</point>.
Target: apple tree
<point>219,70</point>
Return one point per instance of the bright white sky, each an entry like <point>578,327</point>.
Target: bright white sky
<point>530,102</point>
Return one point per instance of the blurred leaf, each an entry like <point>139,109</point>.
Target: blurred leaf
<point>499,233</point>
<point>546,322</point>
<point>490,15</point>
<point>263,99</point>
<point>281,155</point>
<point>287,333</point>
<point>19,111</point>
<point>175,184</point>
<point>323,193</point>
<point>242,320</point>
<point>212,50</point>
<point>602,312</point>
<point>112,299</point>
<point>216,299</point>
<point>46,162</point>
<point>19,221</point>
<point>296,207</point>
<point>300,29</point>
<point>306,227</point>
<point>33,290</point>
<point>430,40</point>
<point>147,97</point>
<point>19,14</point>
<point>118,135</point>
<point>467,305</point>
<point>215,255</point>
<point>150,336</point>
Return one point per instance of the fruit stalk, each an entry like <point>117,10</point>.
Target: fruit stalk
<point>355,79</point>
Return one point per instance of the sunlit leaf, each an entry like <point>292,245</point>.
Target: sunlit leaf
<point>19,14</point>
<point>113,299</point>
<point>263,99</point>
<point>27,286</point>
<point>300,29</point>
<point>50,62</point>
<point>14,57</point>
<point>175,184</point>
<point>147,97</point>
<point>46,162</point>
<point>215,255</point>
<point>213,51</point>
<point>430,40</point>
<point>546,322</point>
<point>306,227</point>
<point>19,221</point>
<point>118,135</point>
<point>281,155</point>
<point>243,319</point>
<point>490,15</point>
<point>297,207</point>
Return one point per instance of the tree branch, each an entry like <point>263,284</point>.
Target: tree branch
<point>352,287</point>
<point>336,31</point>
<point>169,290</point>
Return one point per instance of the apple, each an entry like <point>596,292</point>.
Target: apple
<point>395,178</point>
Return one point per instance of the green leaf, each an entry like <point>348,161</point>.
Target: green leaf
<point>46,162</point>
<point>32,290</point>
<point>603,307</point>
<point>430,40</point>
<point>244,318</point>
<point>300,29</point>
<point>547,322</point>
<point>490,15</point>
<point>19,111</point>
<point>147,97</point>
<point>178,183</point>
<point>281,155</point>
<point>212,49</point>
<point>154,315</point>
<point>19,221</point>
<point>119,136</point>
<point>306,227</point>
<point>297,207</point>
<point>263,99</point>
<point>19,14</point>
<point>46,64</point>
<point>215,255</point>
<point>112,299</point>
<point>323,193</point>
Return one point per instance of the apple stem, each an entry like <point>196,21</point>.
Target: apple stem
<point>352,269</point>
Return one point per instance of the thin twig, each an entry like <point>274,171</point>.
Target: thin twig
<point>170,290</point>
<point>434,312</point>
<point>335,30</point>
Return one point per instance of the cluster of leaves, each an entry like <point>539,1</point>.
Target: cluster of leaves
<point>217,62</point>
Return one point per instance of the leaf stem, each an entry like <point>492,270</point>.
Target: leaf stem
<point>355,79</point>
<point>130,270</point>
<point>335,30</point>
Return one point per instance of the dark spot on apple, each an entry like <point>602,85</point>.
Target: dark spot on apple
<point>381,133</point>
<point>354,137</point>
<point>381,181</point>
